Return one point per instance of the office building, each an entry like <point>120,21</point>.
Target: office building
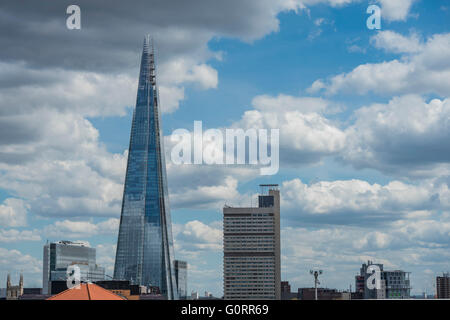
<point>443,286</point>
<point>393,284</point>
<point>397,284</point>
<point>251,242</point>
<point>58,256</point>
<point>181,278</point>
<point>144,253</point>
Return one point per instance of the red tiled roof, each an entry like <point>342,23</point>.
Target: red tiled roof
<point>86,291</point>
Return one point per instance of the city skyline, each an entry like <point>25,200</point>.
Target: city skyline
<point>363,118</point>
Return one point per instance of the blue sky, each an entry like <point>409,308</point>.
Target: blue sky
<point>363,116</point>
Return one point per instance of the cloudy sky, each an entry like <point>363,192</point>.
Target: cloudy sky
<point>364,119</point>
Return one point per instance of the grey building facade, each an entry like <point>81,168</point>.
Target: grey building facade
<point>58,256</point>
<point>251,243</point>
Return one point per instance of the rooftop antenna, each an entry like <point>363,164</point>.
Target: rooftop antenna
<point>316,274</point>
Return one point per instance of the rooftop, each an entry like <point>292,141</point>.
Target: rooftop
<point>86,291</point>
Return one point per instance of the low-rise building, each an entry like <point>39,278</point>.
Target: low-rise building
<point>286,293</point>
<point>323,294</point>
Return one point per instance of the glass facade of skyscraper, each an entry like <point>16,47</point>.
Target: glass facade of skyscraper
<point>145,245</point>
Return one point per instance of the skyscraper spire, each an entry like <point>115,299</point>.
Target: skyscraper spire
<point>145,245</point>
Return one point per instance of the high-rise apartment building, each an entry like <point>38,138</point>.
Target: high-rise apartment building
<point>58,256</point>
<point>443,286</point>
<point>181,278</point>
<point>251,243</point>
<point>144,253</point>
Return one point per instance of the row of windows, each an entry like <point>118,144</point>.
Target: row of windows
<point>248,264</point>
<point>249,238</point>
<point>248,277</point>
<point>250,249</point>
<point>249,286</point>
<point>251,282</point>
<point>230,270</point>
<point>253,242</point>
<point>269,229</point>
<point>249,243</point>
<point>270,214</point>
<point>228,219</point>
<point>245,274</point>
<point>256,281</point>
<point>249,221</point>
<point>250,259</point>
<point>244,267</point>
<point>249,224</point>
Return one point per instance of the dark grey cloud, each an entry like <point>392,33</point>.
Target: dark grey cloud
<point>12,131</point>
<point>112,31</point>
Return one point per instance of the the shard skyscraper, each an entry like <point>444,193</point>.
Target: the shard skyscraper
<point>145,245</point>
